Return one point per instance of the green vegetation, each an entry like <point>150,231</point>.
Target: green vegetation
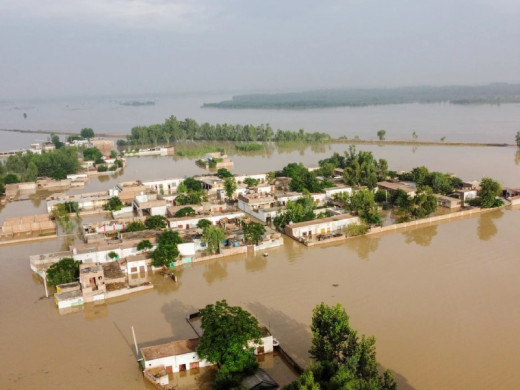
<point>185,212</point>
<point>249,147</point>
<point>55,139</point>
<point>489,190</point>
<point>87,133</point>
<point>61,213</point>
<point>155,222</point>
<point>56,164</point>
<point>166,250</point>
<point>113,255</point>
<point>144,245</point>
<point>223,173</point>
<point>421,205</point>
<point>194,149</point>
<point>296,211</point>
<point>102,168</point>
<point>190,192</point>
<point>381,134</point>
<point>173,130</point>
<point>440,183</point>
<point>203,223</point>
<point>342,359</point>
<point>64,271</point>
<point>302,179</point>
<point>92,154</point>
<point>135,226</point>
<point>114,204</point>
<point>230,185</point>
<point>518,139</point>
<point>227,331</point>
<point>191,184</point>
<point>253,232</point>
<point>484,94</point>
<point>356,229</point>
<point>250,182</point>
<point>212,236</point>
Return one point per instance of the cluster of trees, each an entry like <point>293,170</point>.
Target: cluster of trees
<point>363,204</point>
<point>227,333</point>
<point>253,232</point>
<point>64,271</point>
<point>153,222</point>
<point>420,206</point>
<point>251,182</point>
<point>185,212</point>
<point>296,211</point>
<point>440,183</point>
<point>303,179</point>
<point>114,204</point>
<point>342,359</point>
<point>190,192</point>
<point>212,236</point>
<point>56,164</point>
<point>166,251</point>
<point>173,130</point>
<point>487,196</point>
<point>359,168</point>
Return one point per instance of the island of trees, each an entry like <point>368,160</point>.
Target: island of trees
<point>173,130</point>
<point>483,94</point>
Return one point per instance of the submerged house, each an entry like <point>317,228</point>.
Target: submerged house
<point>176,356</point>
<point>308,229</point>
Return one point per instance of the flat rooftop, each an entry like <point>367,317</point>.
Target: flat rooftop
<point>174,348</point>
<point>322,220</point>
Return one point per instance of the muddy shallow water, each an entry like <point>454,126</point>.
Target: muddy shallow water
<point>441,300</point>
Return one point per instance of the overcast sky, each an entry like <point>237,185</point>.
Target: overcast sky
<point>105,47</point>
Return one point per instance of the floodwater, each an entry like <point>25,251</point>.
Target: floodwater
<point>479,123</point>
<point>441,300</point>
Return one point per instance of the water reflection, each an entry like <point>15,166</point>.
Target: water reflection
<point>422,236</point>
<point>215,270</point>
<point>255,263</point>
<point>164,284</point>
<point>363,245</point>
<point>486,228</point>
<point>517,157</point>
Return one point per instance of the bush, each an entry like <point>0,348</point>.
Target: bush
<point>64,271</point>
<point>380,196</point>
<point>356,229</point>
<point>92,154</point>
<point>102,168</point>
<point>184,212</point>
<point>99,160</point>
<point>112,167</point>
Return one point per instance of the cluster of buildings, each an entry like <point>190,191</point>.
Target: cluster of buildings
<point>215,160</point>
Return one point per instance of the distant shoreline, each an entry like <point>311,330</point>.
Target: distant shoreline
<point>332,141</point>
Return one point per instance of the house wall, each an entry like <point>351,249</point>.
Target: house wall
<point>175,361</point>
<point>320,228</point>
<point>173,223</point>
<point>330,192</point>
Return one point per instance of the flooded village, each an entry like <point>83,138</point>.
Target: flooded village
<point>114,268</point>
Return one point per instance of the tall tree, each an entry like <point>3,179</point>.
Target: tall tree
<point>381,134</point>
<point>212,236</point>
<point>253,232</point>
<point>87,132</point>
<point>230,185</point>
<point>64,271</point>
<point>227,333</point>
<point>489,190</point>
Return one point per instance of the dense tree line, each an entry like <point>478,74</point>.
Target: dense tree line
<point>56,164</point>
<point>173,130</point>
<point>440,183</point>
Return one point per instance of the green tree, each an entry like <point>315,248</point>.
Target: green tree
<point>155,222</point>
<point>144,245</point>
<point>11,178</point>
<point>166,250</point>
<point>192,184</point>
<point>31,173</point>
<point>227,333</point>
<point>114,204</point>
<point>92,154</point>
<point>250,182</point>
<point>212,236</point>
<point>185,212</point>
<point>230,185</point>
<point>489,190</point>
<point>64,271</point>
<point>182,188</point>
<point>223,173</point>
<point>380,196</point>
<point>87,133</point>
<point>113,255</point>
<point>363,203</point>
<point>424,203</point>
<point>135,226</point>
<point>518,139</point>
<point>381,134</point>
<point>113,154</point>
<point>253,232</point>
<point>203,223</point>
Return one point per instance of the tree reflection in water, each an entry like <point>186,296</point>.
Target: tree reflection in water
<point>486,227</point>
<point>363,245</point>
<point>517,157</point>
<point>215,270</point>
<point>422,236</point>
<point>256,263</point>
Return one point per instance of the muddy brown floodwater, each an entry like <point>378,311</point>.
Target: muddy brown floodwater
<point>442,302</point>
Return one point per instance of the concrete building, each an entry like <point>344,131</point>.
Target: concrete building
<point>177,356</point>
<point>149,204</point>
<point>163,186</point>
<point>261,177</point>
<point>448,202</point>
<point>330,192</point>
<point>87,201</point>
<point>466,195</point>
<point>392,187</point>
<point>316,227</point>
<point>260,206</point>
<point>92,280</point>
<point>211,183</point>
<point>283,197</point>
<point>185,223</point>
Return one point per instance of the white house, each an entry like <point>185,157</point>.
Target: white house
<point>330,192</point>
<point>320,226</point>
<point>191,222</point>
<point>260,206</point>
<point>284,197</point>
<point>176,356</point>
<point>264,188</point>
<point>319,198</point>
<point>261,177</point>
<point>150,204</point>
<point>163,186</point>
